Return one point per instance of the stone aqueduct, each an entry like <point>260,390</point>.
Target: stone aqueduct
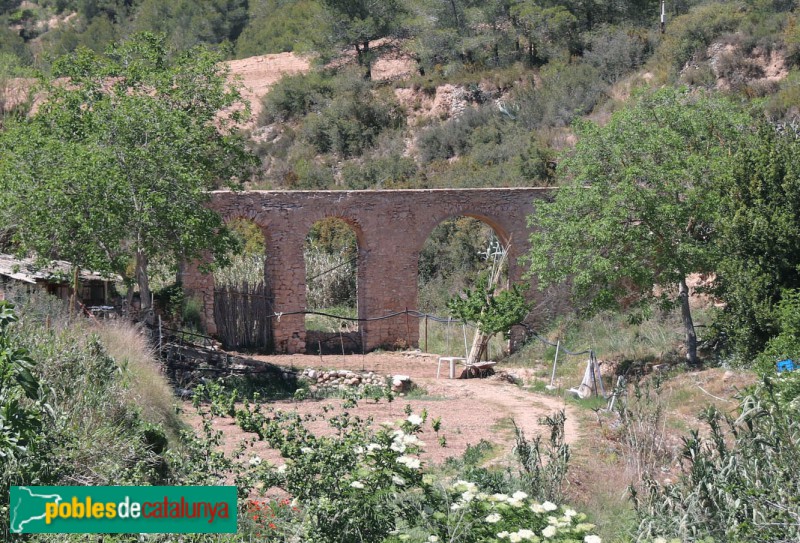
<point>391,227</point>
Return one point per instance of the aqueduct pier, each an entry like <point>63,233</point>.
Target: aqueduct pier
<point>391,227</point>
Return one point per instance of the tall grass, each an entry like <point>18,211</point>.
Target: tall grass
<point>112,413</point>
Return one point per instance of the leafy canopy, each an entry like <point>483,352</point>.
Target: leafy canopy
<point>117,162</point>
<point>637,206</point>
<point>493,312</point>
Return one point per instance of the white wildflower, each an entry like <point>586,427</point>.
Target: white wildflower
<point>462,485</point>
<point>372,447</point>
<point>412,463</point>
<point>281,468</point>
<point>549,506</point>
<point>494,517</point>
<point>306,450</point>
<point>359,450</point>
<point>498,497</point>
<point>656,540</point>
<point>456,506</point>
<point>399,481</point>
<point>569,513</point>
<point>468,496</point>
<point>416,420</point>
<point>550,531</point>
<point>537,508</point>
<point>399,447</point>
<point>526,534</point>
<point>255,460</point>
<point>502,535</point>
<point>593,539</point>
<point>514,537</point>
<point>433,538</point>
<point>357,484</point>
<point>513,502</point>
<point>519,495</point>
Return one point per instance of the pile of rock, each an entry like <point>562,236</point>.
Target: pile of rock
<point>323,380</point>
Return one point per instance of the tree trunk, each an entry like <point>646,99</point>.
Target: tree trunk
<point>142,279</point>
<point>367,61</point>
<point>455,14</point>
<point>688,324</point>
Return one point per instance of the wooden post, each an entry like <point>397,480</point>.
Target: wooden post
<point>552,385</point>
<point>408,331</point>
<point>426,332</point>
<point>74,290</point>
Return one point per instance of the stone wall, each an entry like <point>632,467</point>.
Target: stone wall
<point>391,227</point>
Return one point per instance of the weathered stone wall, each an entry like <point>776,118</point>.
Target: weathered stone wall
<point>391,227</point>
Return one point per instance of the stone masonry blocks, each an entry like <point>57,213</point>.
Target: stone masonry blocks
<point>391,227</point>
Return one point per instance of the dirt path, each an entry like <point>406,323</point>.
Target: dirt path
<point>471,410</point>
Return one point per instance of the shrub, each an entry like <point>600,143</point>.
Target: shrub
<point>566,92</point>
<point>615,51</point>
<point>295,96</point>
<point>739,483</point>
<point>692,33</point>
<point>393,171</point>
<point>453,137</point>
<point>352,121</point>
<point>98,408</point>
<point>786,345</point>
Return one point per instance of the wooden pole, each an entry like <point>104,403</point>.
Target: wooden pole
<point>551,386</point>
<point>408,331</point>
<point>74,290</point>
<point>426,332</point>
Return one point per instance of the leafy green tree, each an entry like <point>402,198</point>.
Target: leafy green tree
<point>190,22</point>
<point>758,237</point>
<point>637,208</point>
<point>277,26</point>
<point>495,312</point>
<point>541,26</point>
<point>355,23</point>
<point>116,166</point>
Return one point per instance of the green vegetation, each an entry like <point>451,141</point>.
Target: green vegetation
<point>129,164</point>
<point>111,170</point>
<point>638,207</point>
<point>83,405</point>
<point>739,483</point>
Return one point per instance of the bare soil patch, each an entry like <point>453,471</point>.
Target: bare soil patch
<point>470,409</point>
<point>258,74</point>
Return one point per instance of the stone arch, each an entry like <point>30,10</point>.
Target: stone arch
<point>358,279</point>
<point>391,227</point>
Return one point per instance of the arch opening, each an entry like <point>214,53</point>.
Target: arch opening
<point>242,297</point>
<point>331,254</point>
<point>458,251</point>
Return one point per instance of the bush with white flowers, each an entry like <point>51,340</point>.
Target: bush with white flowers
<point>462,512</point>
<point>345,485</point>
<point>362,484</point>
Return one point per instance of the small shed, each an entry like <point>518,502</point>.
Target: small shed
<point>56,278</point>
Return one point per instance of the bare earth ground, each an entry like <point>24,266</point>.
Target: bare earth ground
<point>258,74</point>
<point>470,409</point>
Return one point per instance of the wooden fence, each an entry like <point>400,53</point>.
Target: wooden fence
<point>243,317</point>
